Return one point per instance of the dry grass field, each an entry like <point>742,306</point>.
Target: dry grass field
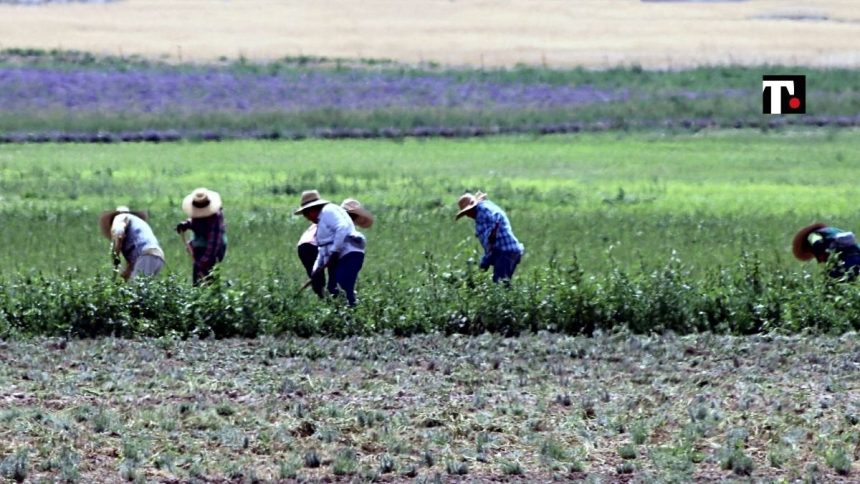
<point>593,33</point>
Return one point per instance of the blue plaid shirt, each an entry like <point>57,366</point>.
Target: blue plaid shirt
<point>488,214</point>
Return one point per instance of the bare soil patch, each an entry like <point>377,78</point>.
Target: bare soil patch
<point>476,32</point>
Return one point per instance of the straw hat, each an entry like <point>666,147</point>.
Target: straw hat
<point>800,245</point>
<point>363,217</point>
<point>468,201</point>
<point>106,218</point>
<point>201,203</point>
<point>310,198</point>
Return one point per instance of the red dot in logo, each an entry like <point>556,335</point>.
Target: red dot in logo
<point>794,103</point>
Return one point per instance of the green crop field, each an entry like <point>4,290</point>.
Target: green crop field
<point>600,215</point>
<point>638,197</point>
<point>633,239</point>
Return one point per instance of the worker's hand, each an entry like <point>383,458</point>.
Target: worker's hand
<point>485,263</point>
<point>181,227</point>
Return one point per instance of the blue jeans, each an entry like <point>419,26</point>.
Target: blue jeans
<point>849,267</point>
<point>504,265</point>
<point>346,274</point>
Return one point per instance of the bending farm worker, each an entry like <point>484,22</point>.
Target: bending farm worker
<point>209,243</point>
<point>308,251</point>
<point>502,250</point>
<point>132,237</point>
<point>340,246</point>
<point>824,243</point>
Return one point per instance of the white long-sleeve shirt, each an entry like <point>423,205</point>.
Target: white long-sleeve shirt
<point>336,233</point>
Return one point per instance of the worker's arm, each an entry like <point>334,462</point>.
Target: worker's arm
<point>117,237</point>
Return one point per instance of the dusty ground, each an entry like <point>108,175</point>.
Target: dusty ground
<point>619,407</point>
<point>456,32</point>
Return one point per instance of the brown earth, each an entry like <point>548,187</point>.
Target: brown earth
<point>474,32</point>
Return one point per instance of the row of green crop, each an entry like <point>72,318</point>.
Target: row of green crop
<point>744,299</point>
<point>669,112</point>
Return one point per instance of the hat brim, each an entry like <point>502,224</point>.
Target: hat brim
<point>363,217</point>
<point>106,220</point>
<point>320,201</point>
<point>202,212</point>
<point>800,245</point>
<point>466,209</point>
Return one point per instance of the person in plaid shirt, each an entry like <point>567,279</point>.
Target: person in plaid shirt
<point>209,244</point>
<point>502,250</point>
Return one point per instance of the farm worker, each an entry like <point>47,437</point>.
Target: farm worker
<point>307,246</point>
<point>132,237</point>
<point>360,216</point>
<point>823,243</point>
<point>308,251</point>
<point>340,246</point>
<point>502,250</point>
<point>209,243</point>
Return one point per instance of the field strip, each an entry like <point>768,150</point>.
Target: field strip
<point>172,135</point>
<point>482,32</point>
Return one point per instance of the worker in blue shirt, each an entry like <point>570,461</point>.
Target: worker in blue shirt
<point>829,244</point>
<point>502,250</point>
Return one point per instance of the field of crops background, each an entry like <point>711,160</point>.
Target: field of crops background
<point>657,330</point>
<point>632,238</point>
<point>650,231</point>
<point>75,96</point>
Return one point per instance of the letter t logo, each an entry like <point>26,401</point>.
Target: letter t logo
<point>773,102</point>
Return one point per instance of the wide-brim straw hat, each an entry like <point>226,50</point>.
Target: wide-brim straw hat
<point>800,245</point>
<point>201,203</point>
<point>106,218</point>
<point>468,201</point>
<point>310,198</point>
<point>362,216</point>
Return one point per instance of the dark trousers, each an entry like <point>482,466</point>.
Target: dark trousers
<point>308,255</point>
<point>504,265</point>
<point>201,272</point>
<point>346,274</point>
<point>847,267</point>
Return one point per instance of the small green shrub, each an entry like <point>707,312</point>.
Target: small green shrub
<point>627,451</point>
<point>839,460</point>
<point>16,466</point>
<point>512,468</point>
<point>345,463</point>
<point>457,468</point>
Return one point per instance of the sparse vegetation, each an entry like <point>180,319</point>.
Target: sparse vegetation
<point>730,427</point>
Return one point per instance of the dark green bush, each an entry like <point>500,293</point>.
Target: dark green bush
<point>744,299</point>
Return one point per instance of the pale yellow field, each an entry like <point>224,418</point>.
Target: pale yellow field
<point>594,33</point>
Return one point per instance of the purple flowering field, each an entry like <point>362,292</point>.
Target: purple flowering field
<point>27,89</point>
<point>92,99</point>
